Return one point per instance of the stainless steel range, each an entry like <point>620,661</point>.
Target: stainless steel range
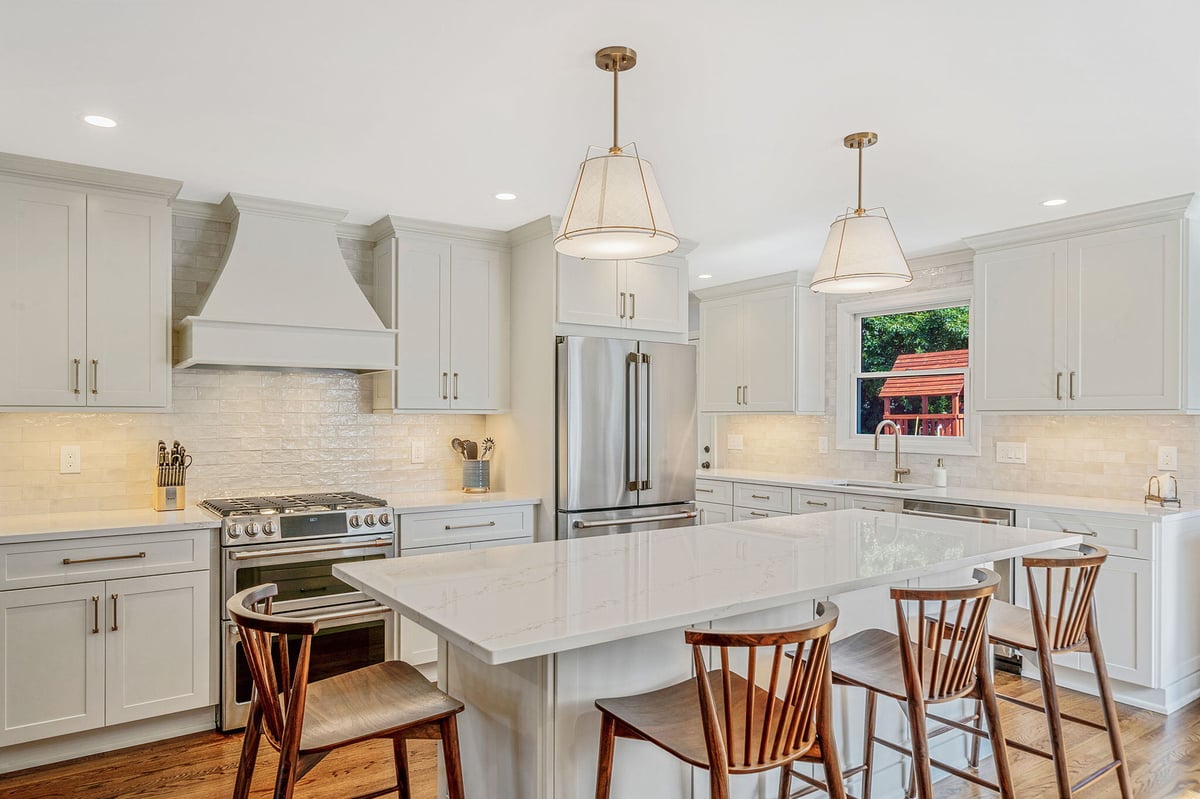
<point>294,541</point>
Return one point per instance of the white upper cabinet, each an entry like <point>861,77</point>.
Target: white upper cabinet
<point>85,289</point>
<point>448,300</point>
<point>762,351</point>
<point>1089,322</point>
<point>646,295</point>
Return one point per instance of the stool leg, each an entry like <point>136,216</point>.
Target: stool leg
<point>869,745</point>
<point>1110,709</point>
<point>454,777</point>
<point>920,746</point>
<point>976,740</point>
<point>990,707</point>
<point>1058,744</point>
<point>608,739</point>
<point>250,741</point>
<point>828,737</point>
<point>400,752</point>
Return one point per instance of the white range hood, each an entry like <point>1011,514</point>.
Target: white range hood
<point>284,298</point>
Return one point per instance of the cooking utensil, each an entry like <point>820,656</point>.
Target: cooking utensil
<point>489,444</point>
<point>457,445</point>
<point>472,450</point>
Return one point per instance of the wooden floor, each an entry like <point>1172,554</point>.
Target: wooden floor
<point>1165,753</point>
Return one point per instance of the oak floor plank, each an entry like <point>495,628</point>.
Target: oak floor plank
<point>1165,753</point>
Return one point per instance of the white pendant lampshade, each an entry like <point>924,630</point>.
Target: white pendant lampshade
<point>616,211</point>
<point>862,252</point>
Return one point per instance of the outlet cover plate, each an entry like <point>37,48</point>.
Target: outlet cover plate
<point>733,441</point>
<point>418,452</point>
<point>68,459</point>
<point>1010,452</point>
<point>823,445</point>
<point>1168,458</point>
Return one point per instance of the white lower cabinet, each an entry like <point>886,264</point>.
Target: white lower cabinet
<point>876,504</point>
<point>87,655</point>
<point>712,513</point>
<point>750,514</point>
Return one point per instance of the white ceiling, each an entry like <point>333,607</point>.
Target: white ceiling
<point>428,109</point>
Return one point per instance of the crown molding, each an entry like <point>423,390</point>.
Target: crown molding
<point>951,255</point>
<point>196,209</point>
<point>746,286</point>
<point>391,225</point>
<point>538,228</point>
<point>24,167</point>
<point>1164,210</point>
<point>236,204</point>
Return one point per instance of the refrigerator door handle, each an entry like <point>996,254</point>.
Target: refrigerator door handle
<point>633,464</point>
<point>666,517</point>
<point>645,483</point>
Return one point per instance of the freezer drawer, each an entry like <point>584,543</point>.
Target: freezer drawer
<point>626,520</point>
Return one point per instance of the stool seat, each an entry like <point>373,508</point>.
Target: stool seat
<point>668,717</point>
<point>1013,626</point>
<point>871,659</point>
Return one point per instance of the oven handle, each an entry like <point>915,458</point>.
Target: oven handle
<point>378,610</point>
<point>272,553</point>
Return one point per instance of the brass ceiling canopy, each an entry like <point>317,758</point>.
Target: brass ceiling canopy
<point>619,59</point>
<point>857,141</point>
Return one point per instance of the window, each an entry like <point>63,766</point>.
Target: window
<point>906,360</point>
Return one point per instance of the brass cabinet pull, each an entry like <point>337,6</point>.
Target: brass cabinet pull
<point>456,385</point>
<point>758,496</point>
<point>1058,386</point>
<point>95,376</point>
<point>75,362</point>
<point>1080,532</point>
<point>877,510</point>
<point>469,526</point>
<point>745,395</point>
<point>69,561</point>
<point>1072,384</point>
<point>622,305</point>
<point>632,305</point>
<point>705,491</point>
<point>445,375</point>
<point>756,513</point>
<point>739,395</point>
<point>818,504</point>
<point>114,599</point>
<point>95,614</point>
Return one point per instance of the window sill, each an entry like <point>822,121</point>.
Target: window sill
<point>913,445</point>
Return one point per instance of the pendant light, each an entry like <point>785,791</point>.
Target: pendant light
<point>616,211</point>
<point>862,252</point>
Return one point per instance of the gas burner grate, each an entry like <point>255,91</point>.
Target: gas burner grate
<point>291,503</point>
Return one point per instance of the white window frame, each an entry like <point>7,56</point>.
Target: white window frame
<point>849,340</point>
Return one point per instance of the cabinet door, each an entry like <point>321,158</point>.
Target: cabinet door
<point>1019,329</point>
<point>769,350</point>
<point>1123,318</point>
<point>51,661</point>
<point>711,513</point>
<point>43,262</point>
<point>720,353</point>
<point>156,645</point>
<point>128,302</point>
<point>417,645</point>
<point>423,324</point>
<point>478,329</point>
<point>1125,616</point>
<point>657,296</point>
<point>590,292</point>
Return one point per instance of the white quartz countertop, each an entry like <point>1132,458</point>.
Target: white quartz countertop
<point>512,603</point>
<point>426,501</point>
<point>1018,500</point>
<point>86,524</point>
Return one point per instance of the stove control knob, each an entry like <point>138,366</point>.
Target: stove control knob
<point>252,529</point>
<point>369,520</point>
<point>235,531</point>
<point>269,528</point>
<point>355,522</point>
<point>385,519</point>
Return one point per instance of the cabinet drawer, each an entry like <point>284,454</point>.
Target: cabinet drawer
<point>465,526</point>
<point>878,504</point>
<point>806,501</point>
<point>717,492</point>
<point>1133,538</point>
<point>36,563</point>
<point>749,515</point>
<point>711,513</point>
<point>760,497</point>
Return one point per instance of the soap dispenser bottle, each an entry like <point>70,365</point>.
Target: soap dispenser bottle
<point>939,474</point>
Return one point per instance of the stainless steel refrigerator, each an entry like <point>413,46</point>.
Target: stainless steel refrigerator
<point>626,431</point>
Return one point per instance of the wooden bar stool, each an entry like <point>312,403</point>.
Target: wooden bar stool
<point>1062,618</point>
<point>946,662</point>
<point>306,721</point>
<point>729,724</point>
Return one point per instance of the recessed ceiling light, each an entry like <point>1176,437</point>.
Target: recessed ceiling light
<point>99,121</point>
<point>506,195</point>
<point>1054,202</point>
<point>704,277</point>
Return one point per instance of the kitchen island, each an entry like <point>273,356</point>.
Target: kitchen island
<point>533,634</point>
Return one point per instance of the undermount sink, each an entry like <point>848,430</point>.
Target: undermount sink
<point>878,484</point>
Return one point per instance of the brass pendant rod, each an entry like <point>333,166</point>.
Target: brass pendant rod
<point>860,210</point>
<point>616,147</point>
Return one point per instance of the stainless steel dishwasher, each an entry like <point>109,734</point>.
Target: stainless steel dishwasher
<point>1006,658</point>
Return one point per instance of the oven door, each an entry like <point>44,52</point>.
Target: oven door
<point>303,572</point>
<point>339,646</point>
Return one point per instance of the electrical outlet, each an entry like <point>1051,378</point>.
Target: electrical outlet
<point>418,452</point>
<point>1010,452</point>
<point>68,459</point>
<point>823,445</point>
<point>1168,458</point>
<point>733,441</point>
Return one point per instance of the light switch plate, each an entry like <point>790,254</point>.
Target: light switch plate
<point>1010,452</point>
<point>733,441</point>
<point>1168,458</point>
<point>68,459</point>
<point>823,445</point>
<point>418,452</point>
